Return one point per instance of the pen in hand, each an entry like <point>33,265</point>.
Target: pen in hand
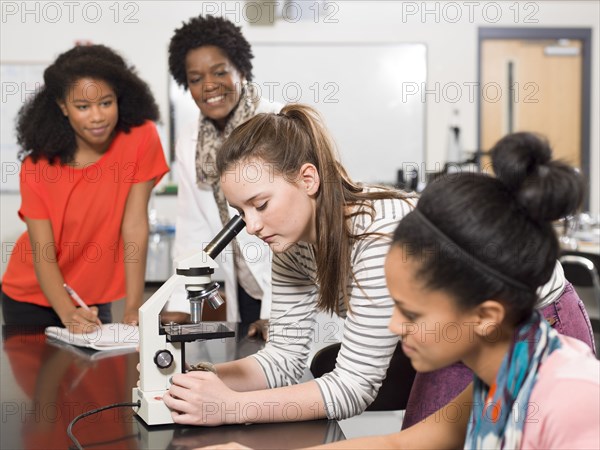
<point>77,298</point>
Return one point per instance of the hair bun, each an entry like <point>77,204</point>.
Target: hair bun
<point>546,189</point>
<point>518,155</point>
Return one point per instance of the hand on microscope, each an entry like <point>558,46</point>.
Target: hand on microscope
<point>199,397</point>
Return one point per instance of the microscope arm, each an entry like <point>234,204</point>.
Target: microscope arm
<point>152,378</point>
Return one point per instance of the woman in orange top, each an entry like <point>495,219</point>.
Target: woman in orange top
<point>91,156</point>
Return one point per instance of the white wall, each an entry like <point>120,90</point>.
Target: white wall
<point>452,46</point>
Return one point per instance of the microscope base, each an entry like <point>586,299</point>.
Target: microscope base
<point>153,411</point>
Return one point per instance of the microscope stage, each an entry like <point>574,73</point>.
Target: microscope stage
<point>198,331</point>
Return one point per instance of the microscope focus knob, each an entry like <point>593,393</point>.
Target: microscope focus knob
<point>163,359</point>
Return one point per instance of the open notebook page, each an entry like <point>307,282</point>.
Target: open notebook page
<point>109,336</point>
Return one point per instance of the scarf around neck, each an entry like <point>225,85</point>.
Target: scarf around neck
<point>210,140</point>
<point>499,412</point>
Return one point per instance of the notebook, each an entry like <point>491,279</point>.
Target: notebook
<point>89,354</point>
<point>108,337</point>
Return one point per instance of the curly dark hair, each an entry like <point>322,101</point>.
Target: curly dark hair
<point>209,30</point>
<point>43,130</point>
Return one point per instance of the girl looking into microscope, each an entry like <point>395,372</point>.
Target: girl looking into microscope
<point>329,236</point>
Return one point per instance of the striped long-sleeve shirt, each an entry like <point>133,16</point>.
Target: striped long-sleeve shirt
<point>367,344</point>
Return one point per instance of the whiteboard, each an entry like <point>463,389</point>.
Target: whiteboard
<point>19,82</point>
<point>360,90</point>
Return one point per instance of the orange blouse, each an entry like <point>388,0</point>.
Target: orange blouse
<point>85,207</point>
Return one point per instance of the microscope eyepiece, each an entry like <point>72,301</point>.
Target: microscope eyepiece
<point>229,231</point>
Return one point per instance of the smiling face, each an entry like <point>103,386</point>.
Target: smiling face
<point>277,209</point>
<point>92,109</point>
<point>214,82</point>
<point>434,331</point>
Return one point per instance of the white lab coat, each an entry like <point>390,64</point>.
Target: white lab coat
<point>198,222</point>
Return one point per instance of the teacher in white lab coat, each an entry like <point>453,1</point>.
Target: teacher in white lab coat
<point>210,57</point>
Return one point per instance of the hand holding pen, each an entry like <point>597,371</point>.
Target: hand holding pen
<point>82,318</point>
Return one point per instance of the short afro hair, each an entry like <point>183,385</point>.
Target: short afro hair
<point>209,30</point>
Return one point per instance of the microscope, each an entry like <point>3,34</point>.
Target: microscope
<point>162,347</point>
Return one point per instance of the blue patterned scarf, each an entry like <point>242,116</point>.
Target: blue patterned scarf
<point>499,412</point>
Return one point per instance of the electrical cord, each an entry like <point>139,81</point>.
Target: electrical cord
<point>95,411</point>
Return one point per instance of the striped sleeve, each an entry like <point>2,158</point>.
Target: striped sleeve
<point>553,289</point>
<point>292,321</point>
<point>367,344</point>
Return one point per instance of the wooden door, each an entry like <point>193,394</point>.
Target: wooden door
<point>532,85</point>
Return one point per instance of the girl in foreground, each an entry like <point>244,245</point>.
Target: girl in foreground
<point>472,277</point>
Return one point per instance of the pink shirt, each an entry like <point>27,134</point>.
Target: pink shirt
<point>564,410</point>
